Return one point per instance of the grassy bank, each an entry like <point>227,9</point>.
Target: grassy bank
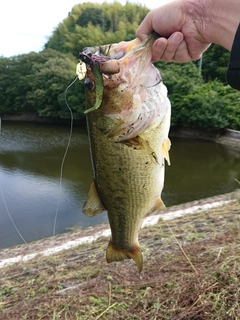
<point>191,271</point>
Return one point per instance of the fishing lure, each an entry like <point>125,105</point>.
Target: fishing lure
<point>81,70</point>
<point>88,59</point>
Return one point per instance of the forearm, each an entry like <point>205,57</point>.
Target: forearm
<point>216,20</point>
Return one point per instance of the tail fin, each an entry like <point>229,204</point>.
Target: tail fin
<point>115,254</point>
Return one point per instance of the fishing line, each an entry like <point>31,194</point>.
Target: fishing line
<point>64,156</point>
<point>154,85</point>
<point>10,217</point>
<point>61,174</point>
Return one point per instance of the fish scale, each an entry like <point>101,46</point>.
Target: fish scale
<point>128,172</point>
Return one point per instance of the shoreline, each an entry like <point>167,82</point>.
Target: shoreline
<point>226,136</point>
<point>66,241</point>
<point>33,118</point>
<point>69,240</point>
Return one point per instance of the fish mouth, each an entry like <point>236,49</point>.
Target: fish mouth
<point>128,60</point>
<point>107,57</point>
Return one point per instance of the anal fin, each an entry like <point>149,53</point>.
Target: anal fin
<point>93,205</point>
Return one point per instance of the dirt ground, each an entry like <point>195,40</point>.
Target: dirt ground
<point>191,271</point>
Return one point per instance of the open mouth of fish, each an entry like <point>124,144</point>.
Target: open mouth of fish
<point>104,61</point>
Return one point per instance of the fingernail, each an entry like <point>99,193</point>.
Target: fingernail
<point>177,37</point>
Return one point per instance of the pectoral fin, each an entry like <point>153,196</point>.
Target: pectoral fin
<point>118,131</point>
<point>149,149</point>
<point>93,205</point>
<point>139,143</point>
<point>165,148</point>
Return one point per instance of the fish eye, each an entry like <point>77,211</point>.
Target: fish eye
<point>88,84</point>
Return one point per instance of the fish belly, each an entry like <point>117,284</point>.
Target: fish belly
<point>129,177</point>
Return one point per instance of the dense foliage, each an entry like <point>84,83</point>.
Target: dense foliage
<point>214,63</point>
<point>35,83</point>
<point>198,104</point>
<point>90,24</point>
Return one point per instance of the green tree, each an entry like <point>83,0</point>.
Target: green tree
<point>35,83</point>
<point>179,78</point>
<point>91,24</point>
<point>14,82</point>
<point>231,99</point>
<point>58,38</point>
<point>214,63</point>
<point>196,104</point>
<point>202,108</point>
<point>95,16</point>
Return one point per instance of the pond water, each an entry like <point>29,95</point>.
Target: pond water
<point>31,191</point>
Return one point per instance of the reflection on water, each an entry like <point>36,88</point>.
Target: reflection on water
<point>30,161</point>
<point>200,169</point>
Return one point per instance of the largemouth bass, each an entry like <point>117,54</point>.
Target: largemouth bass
<point>128,116</point>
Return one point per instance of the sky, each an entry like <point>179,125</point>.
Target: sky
<point>26,25</point>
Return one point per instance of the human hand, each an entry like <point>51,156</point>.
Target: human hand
<point>181,37</point>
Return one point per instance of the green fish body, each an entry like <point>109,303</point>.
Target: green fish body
<point>129,144</point>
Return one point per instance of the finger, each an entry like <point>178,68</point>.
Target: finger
<point>159,48</point>
<point>145,27</point>
<point>174,42</point>
<point>182,53</point>
<point>165,49</point>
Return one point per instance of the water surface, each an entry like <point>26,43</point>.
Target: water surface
<point>30,190</point>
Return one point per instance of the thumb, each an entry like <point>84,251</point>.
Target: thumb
<point>145,28</point>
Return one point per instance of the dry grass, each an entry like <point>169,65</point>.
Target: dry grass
<point>191,271</point>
